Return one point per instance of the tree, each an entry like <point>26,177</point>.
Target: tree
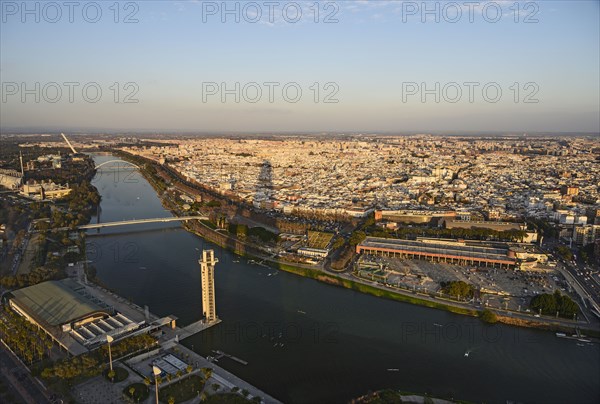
<point>189,369</point>
<point>489,316</point>
<point>458,289</point>
<point>171,400</point>
<point>357,237</point>
<point>564,252</point>
<point>550,304</point>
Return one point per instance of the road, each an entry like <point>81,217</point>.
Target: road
<point>581,283</point>
<point>19,377</point>
<point>579,276</point>
<point>549,320</point>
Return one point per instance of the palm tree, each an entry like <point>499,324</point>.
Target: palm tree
<point>207,373</point>
<point>29,354</point>
<point>40,350</point>
<point>48,344</point>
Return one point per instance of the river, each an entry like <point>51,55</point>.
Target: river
<point>306,341</point>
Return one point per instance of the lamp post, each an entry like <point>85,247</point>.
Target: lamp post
<point>156,372</point>
<point>109,340</point>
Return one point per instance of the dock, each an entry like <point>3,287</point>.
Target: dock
<point>194,328</point>
<point>221,354</point>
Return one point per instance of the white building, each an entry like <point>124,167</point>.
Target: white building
<point>313,252</point>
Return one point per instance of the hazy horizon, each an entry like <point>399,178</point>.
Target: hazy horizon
<point>379,66</point>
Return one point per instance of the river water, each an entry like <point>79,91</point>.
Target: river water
<point>306,341</point>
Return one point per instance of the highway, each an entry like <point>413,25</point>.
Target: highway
<point>581,277</point>
<point>583,280</point>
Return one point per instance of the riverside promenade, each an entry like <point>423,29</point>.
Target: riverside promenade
<point>221,376</point>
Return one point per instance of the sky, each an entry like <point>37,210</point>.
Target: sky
<point>281,66</point>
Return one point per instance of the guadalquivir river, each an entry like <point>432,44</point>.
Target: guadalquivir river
<point>306,341</point>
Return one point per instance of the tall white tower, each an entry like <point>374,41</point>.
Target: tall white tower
<point>207,274</point>
<point>21,160</point>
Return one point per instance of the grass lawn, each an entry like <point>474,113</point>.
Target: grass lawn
<point>120,374</point>
<point>140,392</point>
<point>183,390</point>
<point>227,398</point>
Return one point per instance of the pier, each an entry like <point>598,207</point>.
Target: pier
<point>221,354</point>
<point>194,328</point>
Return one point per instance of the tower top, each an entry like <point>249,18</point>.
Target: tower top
<point>208,257</point>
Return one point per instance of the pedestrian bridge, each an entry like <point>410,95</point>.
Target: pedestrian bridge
<point>140,221</point>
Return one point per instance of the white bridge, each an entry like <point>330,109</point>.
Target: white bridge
<point>134,221</point>
<point>141,221</point>
<point>99,165</point>
<point>117,161</point>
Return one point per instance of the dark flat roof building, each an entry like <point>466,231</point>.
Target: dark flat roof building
<point>73,317</point>
<point>56,303</point>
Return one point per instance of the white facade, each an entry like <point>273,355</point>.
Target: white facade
<point>313,252</point>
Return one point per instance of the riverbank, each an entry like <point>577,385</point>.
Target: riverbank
<point>250,251</point>
<point>242,249</point>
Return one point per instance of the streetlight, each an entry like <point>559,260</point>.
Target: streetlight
<point>156,370</point>
<point>109,340</point>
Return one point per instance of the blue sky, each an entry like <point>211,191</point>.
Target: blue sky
<point>371,57</point>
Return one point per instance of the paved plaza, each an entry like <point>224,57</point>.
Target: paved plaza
<point>98,390</point>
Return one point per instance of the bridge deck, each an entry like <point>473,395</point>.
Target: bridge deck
<point>135,221</point>
<point>140,221</point>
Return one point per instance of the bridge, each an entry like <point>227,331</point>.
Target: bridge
<point>141,221</point>
<point>117,161</point>
<point>130,222</point>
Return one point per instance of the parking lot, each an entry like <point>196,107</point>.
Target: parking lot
<point>504,288</point>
